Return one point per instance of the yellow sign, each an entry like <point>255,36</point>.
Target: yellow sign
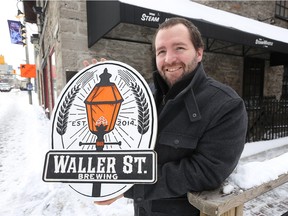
<point>2,60</point>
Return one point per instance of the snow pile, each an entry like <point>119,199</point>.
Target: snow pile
<point>256,173</point>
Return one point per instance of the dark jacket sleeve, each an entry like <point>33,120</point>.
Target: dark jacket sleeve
<point>214,158</point>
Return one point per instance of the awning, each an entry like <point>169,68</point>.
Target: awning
<point>214,24</point>
<point>30,15</point>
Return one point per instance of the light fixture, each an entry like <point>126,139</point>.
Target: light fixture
<point>22,26</point>
<point>20,14</point>
<point>34,39</point>
<point>23,33</point>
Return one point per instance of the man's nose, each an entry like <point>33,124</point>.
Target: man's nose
<point>170,57</point>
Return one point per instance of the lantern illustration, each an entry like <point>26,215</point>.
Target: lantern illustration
<point>102,107</point>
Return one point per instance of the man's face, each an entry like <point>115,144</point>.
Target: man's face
<point>175,53</point>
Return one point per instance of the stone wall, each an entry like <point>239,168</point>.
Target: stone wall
<point>127,43</point>
<point>130,44</point>
<point>65,30</point>
<point>72,36</point>
<point>258,10</point>
<point>226,69</point>
<point>48,44</point>
<point>273,81</point>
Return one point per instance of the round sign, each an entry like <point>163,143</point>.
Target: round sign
<point>106,119</point>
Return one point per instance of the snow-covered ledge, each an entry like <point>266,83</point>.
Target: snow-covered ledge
<point>263,167</point>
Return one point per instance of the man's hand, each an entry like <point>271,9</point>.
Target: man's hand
<point>94,61</point>
<point>108,202</point>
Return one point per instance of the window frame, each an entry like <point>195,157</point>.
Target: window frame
<point>281,10</point>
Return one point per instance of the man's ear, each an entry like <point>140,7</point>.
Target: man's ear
<point>199,53</point>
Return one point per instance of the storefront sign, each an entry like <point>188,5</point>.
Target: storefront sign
<point>263,42</point>
<point>103,132</point>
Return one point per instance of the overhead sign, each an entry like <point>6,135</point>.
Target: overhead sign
<point>15,32</point>
<point>104,128</point>
<point>28,70</point>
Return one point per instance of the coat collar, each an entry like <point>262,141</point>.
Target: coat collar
<point>191,90</point>
<point>189,93</point>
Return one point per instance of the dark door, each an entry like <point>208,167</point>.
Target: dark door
<point>253,78</point>
<point>285,83</point>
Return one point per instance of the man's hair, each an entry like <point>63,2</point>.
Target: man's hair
<point>195,35</point>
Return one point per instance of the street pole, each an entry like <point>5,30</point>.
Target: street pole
<point>19,16</point>
<point>27,62</point>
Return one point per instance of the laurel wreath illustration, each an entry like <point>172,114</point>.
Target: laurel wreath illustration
<point>142,104</point>
<point>143,108</point>
<point>63,114</point>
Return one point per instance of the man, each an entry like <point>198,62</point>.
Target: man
<point>201,129</point>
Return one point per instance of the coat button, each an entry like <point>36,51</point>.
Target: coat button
<point>142,211</point>
<point>194,115</point>
<point>138,199</point>
<point>176,142</point>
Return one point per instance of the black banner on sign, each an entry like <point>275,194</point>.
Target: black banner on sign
<point>148,17</point>
<point>104,167</point>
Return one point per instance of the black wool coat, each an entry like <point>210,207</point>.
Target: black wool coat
<point>201,134</point>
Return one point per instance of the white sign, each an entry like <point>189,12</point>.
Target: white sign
<point>104,128</point>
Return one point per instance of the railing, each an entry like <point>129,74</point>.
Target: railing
<point>267,119</point>
<point>223,202</point>
<point>214,203</point>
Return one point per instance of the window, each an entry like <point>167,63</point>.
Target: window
<point>253,78</point>
<point>53,75</point>
<point>281,10</point>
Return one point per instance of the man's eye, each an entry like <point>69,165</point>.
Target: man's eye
<point>160,52</point>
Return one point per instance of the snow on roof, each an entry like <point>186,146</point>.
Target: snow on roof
<point>189,9</point>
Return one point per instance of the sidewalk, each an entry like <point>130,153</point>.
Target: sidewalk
<point>272,203</point>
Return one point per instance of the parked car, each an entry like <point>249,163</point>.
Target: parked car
<point>5,87</point>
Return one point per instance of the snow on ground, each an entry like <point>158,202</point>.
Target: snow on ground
<point>24,141</point>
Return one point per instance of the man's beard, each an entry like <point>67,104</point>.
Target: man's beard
<point>187,69</point>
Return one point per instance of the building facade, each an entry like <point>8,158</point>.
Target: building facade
<point>65,29</point>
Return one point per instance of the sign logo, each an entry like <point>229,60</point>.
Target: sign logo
<point>263,42</point>
<point>104,130</point>
<point>151,17</point>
